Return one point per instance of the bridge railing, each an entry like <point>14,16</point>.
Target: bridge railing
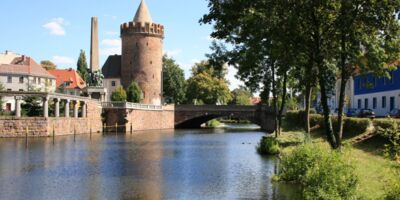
<point>128,105</point>
<point>220,108</point>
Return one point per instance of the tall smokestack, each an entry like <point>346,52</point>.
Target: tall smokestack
<point>94,46</point>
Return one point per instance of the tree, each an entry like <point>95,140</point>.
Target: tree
<point>32,106</point>
<point>207,89</point>
<point>241,96</point>
<point>48,65</point>
<point>174,84</point>
<point>205,66</point>
<point>1,98</point>
<point>82,66</point>
<point>134,93</point>
<point>119,94</point>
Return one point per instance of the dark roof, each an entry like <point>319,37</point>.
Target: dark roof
<point>112,67</point>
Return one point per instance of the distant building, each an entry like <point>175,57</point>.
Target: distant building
<point>68,81</point>
<point>22,73</point>
<point>141,58</point>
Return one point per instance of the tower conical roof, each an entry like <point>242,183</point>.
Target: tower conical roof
<point>143,13</point>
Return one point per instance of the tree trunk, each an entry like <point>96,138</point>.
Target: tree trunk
<point>274,100</point>
<point>307,108</point>
<point>283,104</point>
<point>344,78</point>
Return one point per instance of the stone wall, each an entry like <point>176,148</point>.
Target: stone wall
<point>42,127</point>
<point>140,120</point>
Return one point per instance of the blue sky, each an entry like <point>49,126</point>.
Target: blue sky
<point>56,30</point>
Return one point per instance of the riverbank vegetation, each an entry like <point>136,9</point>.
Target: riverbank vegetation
<point>375,175</point>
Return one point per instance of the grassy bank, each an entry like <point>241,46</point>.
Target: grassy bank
<point>375,172</point>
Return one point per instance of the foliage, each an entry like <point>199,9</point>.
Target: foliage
<point>268,146</point>
<point>323,173</point>
<point>82,66</point>
<point>241,96</point>
<point>354,126</point>
<point>119,94</point>
<point>207,89</point>
<point>292,104</point>
<point>48,65</point>
<point>392,150</point>
<point>134,93</point>
<point>214,123</point>
<point>394,192</point>
<point>174,84</point>
<point>205,67</point>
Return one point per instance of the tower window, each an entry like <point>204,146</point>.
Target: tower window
<point>151,62</point>
<point>147,44</point>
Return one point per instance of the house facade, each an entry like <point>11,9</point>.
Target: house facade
<point>68,81</point>
<point>22,73</point>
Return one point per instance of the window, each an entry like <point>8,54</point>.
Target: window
<point>21,79</point>
<point>39,80</point>
<point>67,83</point>
<point>392,101</point>
<point>359,84</point>
<point>34,80</point>
<point>21,90</point>
<point>374,103</point>
<point>359,104</point>
<point>391,77</point>
<point>366,103</point>
<point>113,83</point>
<point>9,79</point>
<point>383,102</point>
<point>9,90</point>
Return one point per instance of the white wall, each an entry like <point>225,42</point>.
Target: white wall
<point>110,88</point>
<point>379,111</point>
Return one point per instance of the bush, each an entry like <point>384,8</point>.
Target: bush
<point>392,150</point>
<point>268,146</point>
<point>134,93</point>
<point>355,126</point>
<point>213,123</point>
<point>394,192</point>
<point>330,178</point>
<point>323,173</point>
<point>119,94</point>
<point>297,119</point>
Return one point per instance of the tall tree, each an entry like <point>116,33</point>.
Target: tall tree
<point>174,84</point>
<point>119,94</point>
<point>82,66</point>
<point>48,65</point>
<point>207,89</point>
<point>241,96</point>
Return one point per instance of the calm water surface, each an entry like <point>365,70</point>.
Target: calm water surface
<point>174,164</point>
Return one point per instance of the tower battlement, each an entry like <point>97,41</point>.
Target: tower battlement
<point>143,28</point>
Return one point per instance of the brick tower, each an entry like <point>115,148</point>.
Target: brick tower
<point>142,48</point>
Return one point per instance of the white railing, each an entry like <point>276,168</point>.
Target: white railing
<point>128,105</point>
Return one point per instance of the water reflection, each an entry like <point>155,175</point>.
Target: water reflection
<point>181,164</point>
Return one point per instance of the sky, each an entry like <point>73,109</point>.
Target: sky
<point>56,30</point>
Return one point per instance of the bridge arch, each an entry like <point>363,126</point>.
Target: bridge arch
<point>192,116</point>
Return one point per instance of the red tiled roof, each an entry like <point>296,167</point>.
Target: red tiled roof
<point>68,75</point>
<point>24,66</point>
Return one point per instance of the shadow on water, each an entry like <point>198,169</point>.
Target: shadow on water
<point>171,164</point>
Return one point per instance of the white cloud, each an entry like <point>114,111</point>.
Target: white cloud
<point>174,52</point>
<point>56,26</point>
<point>110,47</point>
<point>63,60</point>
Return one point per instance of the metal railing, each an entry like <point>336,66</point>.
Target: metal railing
<point>128,105</point>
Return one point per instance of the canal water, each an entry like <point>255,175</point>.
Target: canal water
<point>173,164</point>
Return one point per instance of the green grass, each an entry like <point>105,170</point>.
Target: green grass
<point>375,172</point>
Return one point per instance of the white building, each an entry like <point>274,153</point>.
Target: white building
<point>22,73</point>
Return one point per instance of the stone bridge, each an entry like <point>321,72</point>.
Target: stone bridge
<point>192,116</point>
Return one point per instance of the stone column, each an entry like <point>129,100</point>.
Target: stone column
<point>57,107</point>
<point>84,107</point>
<point>76,109</point>
<point>67,102</point>
<point>18,106</point>
<point>46,107</point>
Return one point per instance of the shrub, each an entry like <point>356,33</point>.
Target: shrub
<point>392,150</point>
<point>355,126</point>
<point>394,192</point>
<point>330,178</point>
<point>134,93</point>
<point>213,123</point>
<point>119,94</point>
<point>297,119</point>
<point>323,173</point>
<point>268,146</point>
